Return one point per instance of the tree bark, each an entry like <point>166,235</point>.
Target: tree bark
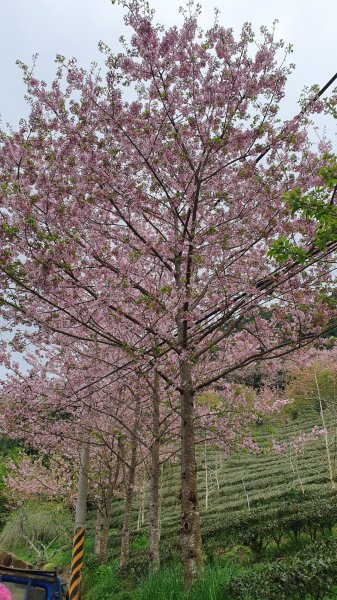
<point>97,536</point>
<point>141,511</point>
<point>105,528</point>
<point>125,541</point>
<point>154,529</point>
<point>191,544</point>
<point>108,494</point>
<point>206,478</point>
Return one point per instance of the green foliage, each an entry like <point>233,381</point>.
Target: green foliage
<point>167,584</point>
<point>309,575</point>
<point>10,231</point>
<point>35,529</point>
<point>315,207</point>
<point>282,249</point>
<point>9,449</point>
<point>328,173</point>
<point>307,384</point>
<point>139,541</point>
<point>106,582</point>
<point>30,220</point>
<point>281,521</point>
<point>307,516</point>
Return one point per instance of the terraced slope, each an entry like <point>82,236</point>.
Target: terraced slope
<point>244,482</point>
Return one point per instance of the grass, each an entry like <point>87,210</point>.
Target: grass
<point>167,584</point>
<point>106,583</point>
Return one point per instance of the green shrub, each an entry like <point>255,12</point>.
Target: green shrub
<point>256,529</point>
<point>38,530</point>
<point>310,575</point>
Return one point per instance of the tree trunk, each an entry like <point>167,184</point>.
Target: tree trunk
<point>105,528</point>
<point>125,542</point>
<point>97,537</point>
<point>107,496</point>
<point>206,478</point>
<point>141,515</point>
<point>191,544</point>
<point>154,530</point>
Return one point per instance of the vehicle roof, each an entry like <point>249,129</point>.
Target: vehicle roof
<point>28,573</point>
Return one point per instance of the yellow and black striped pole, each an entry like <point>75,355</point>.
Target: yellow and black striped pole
<point>77,565</point>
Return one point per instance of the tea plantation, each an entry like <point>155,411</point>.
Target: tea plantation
<point>268,523</point>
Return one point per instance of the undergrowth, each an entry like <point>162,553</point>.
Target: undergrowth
<point>107,583</point>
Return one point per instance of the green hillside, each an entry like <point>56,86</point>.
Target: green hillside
<point>262,480</point>
<point>261,514</point>
<point>262,508</point>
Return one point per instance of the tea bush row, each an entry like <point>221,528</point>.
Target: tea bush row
<point>310,575</point>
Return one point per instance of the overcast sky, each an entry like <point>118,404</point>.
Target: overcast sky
<point>74,27</point>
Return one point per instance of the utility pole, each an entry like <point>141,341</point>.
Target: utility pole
<point>79,528</point>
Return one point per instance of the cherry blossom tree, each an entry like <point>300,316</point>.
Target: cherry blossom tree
<point>146,210</point>
<point>45,420</point>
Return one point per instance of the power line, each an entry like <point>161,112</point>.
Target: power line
<point>304,109</point>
